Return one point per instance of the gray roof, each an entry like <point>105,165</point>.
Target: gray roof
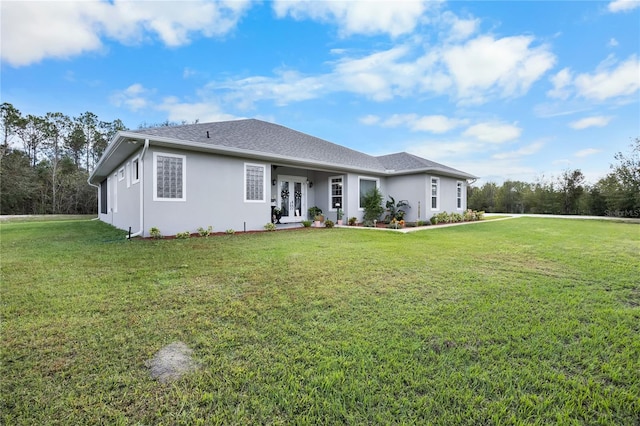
<point>261,139</point>
<point>268,138</point>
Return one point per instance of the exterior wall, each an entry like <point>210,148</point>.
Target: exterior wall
<point>447,196</point>
<point>123,199</point>
<point>411,188</point>
<point>214,196</point>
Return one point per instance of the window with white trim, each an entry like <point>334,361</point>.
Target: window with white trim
<point>365,186</point>
<point>435,193</point>
<point>254,182</point>
<point>128,173</point>
<point>335,193</point>
<point>169,177</point>
<point>135,170</point>
<point>459,195</point>
<point>115,192</point>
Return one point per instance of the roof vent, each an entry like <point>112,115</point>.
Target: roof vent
<point>207,134</point>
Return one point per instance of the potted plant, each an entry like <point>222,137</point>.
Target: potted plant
<point>315,213</point>
<point>277,214</point>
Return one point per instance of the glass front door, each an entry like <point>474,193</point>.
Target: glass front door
<point>292,198</point>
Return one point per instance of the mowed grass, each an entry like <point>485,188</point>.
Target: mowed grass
<point>524,321</point>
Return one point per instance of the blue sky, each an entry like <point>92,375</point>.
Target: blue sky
<point>503,90</point>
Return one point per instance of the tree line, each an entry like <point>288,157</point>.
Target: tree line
<point>45,161</point>
<point>616,194</point>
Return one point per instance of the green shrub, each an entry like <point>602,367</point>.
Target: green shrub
<point>183,235</point>
<point>155,233</point>
<point>372,205</point>
<point>270,227</point>
<point>229,231</point>
<point>328,223</point>
<point>205,232</point>
<point>306,223</point>
<point>352,221</point>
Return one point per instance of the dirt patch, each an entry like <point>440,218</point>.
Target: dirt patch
<point>172,362</point>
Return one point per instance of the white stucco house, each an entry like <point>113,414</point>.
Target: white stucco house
<point>231,174</point>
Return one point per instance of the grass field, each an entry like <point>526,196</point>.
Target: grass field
<point>524,321</point>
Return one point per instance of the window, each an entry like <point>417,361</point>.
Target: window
<point>121,174</point>
<point>435,193</point>
<point>169,177</point>
<point>366,185</point>
<point>104,190</point>
<point>135,172</point>
<point>459,195</point>
<point>254,182</point>
<point>114,200</point>
<point>335,188</point>
<point>128,173</point>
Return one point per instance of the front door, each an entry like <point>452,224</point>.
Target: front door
<point>292,198</point>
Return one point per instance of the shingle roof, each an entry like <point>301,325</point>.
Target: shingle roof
<point>403,161</point>
<point>260,138</point>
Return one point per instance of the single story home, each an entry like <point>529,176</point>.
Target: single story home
<point>231,175</point>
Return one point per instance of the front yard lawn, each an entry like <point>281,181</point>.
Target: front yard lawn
<point>522,321</point>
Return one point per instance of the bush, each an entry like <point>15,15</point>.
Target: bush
<point>372,205</point>
<point>229,231</point>
<point>306,223</point>
<point>155,233</point>
<point>270,227</point>
<point>183,235</point>
<point>352,221</point>
<point>205,232</point>
<point>328,223</point>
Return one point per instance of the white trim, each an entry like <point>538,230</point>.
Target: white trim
<point>109,185</point>
<point>155,176</point>
<point>360,178</point>
<point>429,192</point>
<point>120,174</point>
<point>341,177</point>
<point>460,185</point>
<point>135,170</point>
<point>264,182</point>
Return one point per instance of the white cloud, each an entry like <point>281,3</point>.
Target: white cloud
<point>189,112</point>
<point>506,67</point>
<point>522,152</point>
<point>610,81</point>
<point>595,121</point>
<point>623,5</point>
<point>133,97</point>
<point>495,133</point>
<point>612,42</point>
<point>33,31</point>
<point>586,152</point>
<point>358,17</point>
<point>369,120</point>
<point>417,123</point>
<point>561,82</point>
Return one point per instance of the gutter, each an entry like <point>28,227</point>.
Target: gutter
<point>98,188</point>
<point>141,183</point>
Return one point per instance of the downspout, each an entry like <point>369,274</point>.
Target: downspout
<point>141,183</point>
<point>98,188</point>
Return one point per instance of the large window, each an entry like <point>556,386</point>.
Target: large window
<point>254,182</point>
<point>366,185</point>
<point>335,201</point>
<point>104,192</point>
<point>459,195</point>
<point>435,193</point>
<point>169,177</point>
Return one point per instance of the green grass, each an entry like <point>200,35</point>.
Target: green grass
<point>525,321</point>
